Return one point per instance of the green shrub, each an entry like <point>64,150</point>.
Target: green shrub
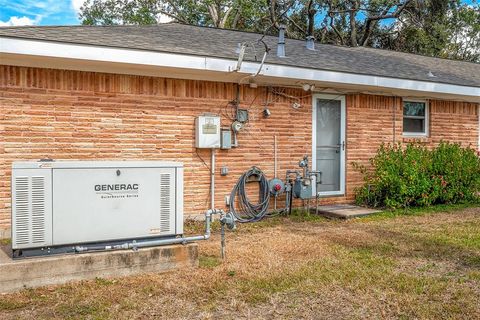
<point>412,175</point>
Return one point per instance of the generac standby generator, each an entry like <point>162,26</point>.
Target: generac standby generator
<point>56,205</point>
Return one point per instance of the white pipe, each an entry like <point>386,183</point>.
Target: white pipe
<point>258,70</point>
<point>275,156</point>
<point>240,57</point>
<point>153,243</point>
<point>261,64</point>
<point>281,42</point>
<point>212,181</point>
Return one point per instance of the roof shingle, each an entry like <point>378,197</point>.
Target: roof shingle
<point>202,41</point>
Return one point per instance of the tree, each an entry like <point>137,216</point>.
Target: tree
<point>353,22</point>
<point>464,40</point>
<point>445,28</point>
<point>215,13</point>
<point>440,28</point>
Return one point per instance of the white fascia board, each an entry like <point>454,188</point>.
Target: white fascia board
<point>108,54</point>
<point>193,62</point>
<point>366,80</point>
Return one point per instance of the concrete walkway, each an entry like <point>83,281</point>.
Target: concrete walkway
<point>35,272</point>
<point>344,211</point>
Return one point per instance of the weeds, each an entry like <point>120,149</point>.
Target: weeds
<point>209,262</point>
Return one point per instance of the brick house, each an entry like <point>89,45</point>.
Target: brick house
<point>130,92</point>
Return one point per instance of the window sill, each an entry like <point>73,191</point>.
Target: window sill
<point>415,139</point>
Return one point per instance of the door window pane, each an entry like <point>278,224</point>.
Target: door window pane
<point>328,122</point>
<point>329,116</point>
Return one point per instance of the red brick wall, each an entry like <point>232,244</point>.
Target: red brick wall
<point>454,121</point>
<point>371,121</point>
<point>71,115</point>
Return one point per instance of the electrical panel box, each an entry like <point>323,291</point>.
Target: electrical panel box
<point>73,202</point>
<point>242,115</point>
<point>226,138</point>
<point>207,132</point>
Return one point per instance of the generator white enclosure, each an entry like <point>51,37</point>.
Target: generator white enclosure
<point>62,203</point>
<point>207,131</point>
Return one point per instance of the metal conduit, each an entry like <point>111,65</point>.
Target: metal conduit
<point>153,243</point>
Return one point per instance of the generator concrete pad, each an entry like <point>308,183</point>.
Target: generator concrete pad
<point>40,271</point>
<point>345,211</point>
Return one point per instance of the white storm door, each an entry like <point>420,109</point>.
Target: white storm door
<point>329,143</point>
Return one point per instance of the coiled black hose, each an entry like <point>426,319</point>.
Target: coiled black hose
<point>248,211</point>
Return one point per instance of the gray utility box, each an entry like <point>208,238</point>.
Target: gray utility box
<point>62,203</point>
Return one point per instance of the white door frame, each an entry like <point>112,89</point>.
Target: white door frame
<point>341,98</point>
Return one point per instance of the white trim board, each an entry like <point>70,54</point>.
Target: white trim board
<point>15,49</point>
<point>343,151</point>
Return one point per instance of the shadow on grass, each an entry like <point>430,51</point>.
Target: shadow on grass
<point>419,211</point>
<point>408,244</point>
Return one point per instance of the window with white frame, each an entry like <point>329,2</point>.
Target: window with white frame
<point>415,118</point>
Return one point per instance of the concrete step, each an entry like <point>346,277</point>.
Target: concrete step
<point>34,272</point>
<point>344,211</point>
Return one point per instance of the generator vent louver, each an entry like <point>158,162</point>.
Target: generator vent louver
<point>22,212</point>
<point>165,203</point>
<point>38,209</point>
<point>30,210</point>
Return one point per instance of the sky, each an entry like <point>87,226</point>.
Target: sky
<point>39,12</point>
<point>46,12</point>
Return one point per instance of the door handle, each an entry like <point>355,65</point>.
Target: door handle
<point>342,145</point>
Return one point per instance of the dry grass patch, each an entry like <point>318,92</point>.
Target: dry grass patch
<point>417,266</point>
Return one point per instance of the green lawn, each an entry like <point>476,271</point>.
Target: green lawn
<point>421,264</point>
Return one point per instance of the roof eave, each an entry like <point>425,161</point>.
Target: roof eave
<point>39,53</point>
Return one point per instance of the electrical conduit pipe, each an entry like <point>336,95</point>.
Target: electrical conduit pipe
<point>153,243</point>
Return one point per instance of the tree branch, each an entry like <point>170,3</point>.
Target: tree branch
<point>330,14</point>
<point>311,11</point>
<point>353,23</point>
<point>171,15</point>
<point>238,13</point>
<point>273,17</point>
<point>384,15</point>
<point>296,25</point>
<point>177,15</point>
<point>339,35</point>
<point>223,21</point>
<point>213,14</point>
